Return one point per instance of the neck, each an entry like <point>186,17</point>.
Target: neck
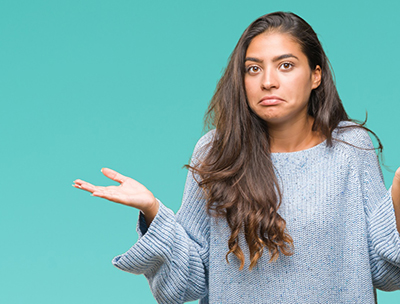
<point>293,136</point>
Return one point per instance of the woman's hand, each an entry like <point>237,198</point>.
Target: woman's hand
<point>129,192</point>
<point>396,197</point>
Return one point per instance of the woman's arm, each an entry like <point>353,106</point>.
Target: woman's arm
<point>172,251</point>
<point>383,237</point>
<point>396,197</point>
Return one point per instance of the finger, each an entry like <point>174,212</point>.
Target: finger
<point>396,188</point>
<point>78,184</point>
<point>79,181</point>
<point>82,188</point>
<point>87,187</point>
<point>109,195</point>
<point>397,174</point>
<point>114,175</point>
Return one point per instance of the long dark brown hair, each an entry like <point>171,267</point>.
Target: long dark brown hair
<point>237,173</point>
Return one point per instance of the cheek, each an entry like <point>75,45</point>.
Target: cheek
<point>300,86</point>
<point>249,87</point>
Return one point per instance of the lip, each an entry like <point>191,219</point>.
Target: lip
<point>270,100</point>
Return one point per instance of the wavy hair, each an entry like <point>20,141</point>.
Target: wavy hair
<point>237,173</point>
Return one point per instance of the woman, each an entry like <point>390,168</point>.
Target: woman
<point>284,201</point>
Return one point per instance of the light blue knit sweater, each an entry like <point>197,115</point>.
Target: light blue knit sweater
<point>337,210</point>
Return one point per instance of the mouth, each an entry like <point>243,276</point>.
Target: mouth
<point>270,100</point>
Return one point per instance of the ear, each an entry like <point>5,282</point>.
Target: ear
<point>316,77</point>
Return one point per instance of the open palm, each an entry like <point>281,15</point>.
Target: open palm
<point>129,192</point>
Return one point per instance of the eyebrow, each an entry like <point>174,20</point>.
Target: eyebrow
<point>274,59</point>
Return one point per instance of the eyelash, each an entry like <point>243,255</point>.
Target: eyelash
<point>291,65</point>
<point>248,69</point>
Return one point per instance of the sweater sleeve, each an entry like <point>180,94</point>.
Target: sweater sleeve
<point>383,237</point>
<point>173,251</point>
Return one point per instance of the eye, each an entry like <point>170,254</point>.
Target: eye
<point>286,66</point>
<point>253,69</point>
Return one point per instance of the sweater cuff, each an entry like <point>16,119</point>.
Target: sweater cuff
<point>154,246</point>
<point>141,227</point>
<point>384,235</point>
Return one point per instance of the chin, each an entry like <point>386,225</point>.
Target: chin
<point>271,119</point>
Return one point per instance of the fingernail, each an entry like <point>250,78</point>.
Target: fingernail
<point>101,170</point>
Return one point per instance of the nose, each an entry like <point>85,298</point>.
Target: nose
<point>269,80</point>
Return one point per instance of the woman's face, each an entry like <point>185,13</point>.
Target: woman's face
<point>278,79</point>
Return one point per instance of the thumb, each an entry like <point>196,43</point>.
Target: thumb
<point>396,188</point>
<point>114,175</point>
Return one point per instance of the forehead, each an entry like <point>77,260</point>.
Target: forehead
<point>271,44</point>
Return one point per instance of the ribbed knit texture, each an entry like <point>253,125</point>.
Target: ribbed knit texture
<point>337,211</point>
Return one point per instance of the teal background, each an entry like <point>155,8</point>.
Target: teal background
<point>124,84</point>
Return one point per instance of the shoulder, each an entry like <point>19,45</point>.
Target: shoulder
<point>352,135</point>
<point>203,145</point>
<point>205,140</point>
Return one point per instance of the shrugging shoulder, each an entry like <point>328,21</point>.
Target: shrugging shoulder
<point>173,251</point>
<point>383,237</point>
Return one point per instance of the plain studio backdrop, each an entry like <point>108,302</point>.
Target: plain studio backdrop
<point>124,84</point>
